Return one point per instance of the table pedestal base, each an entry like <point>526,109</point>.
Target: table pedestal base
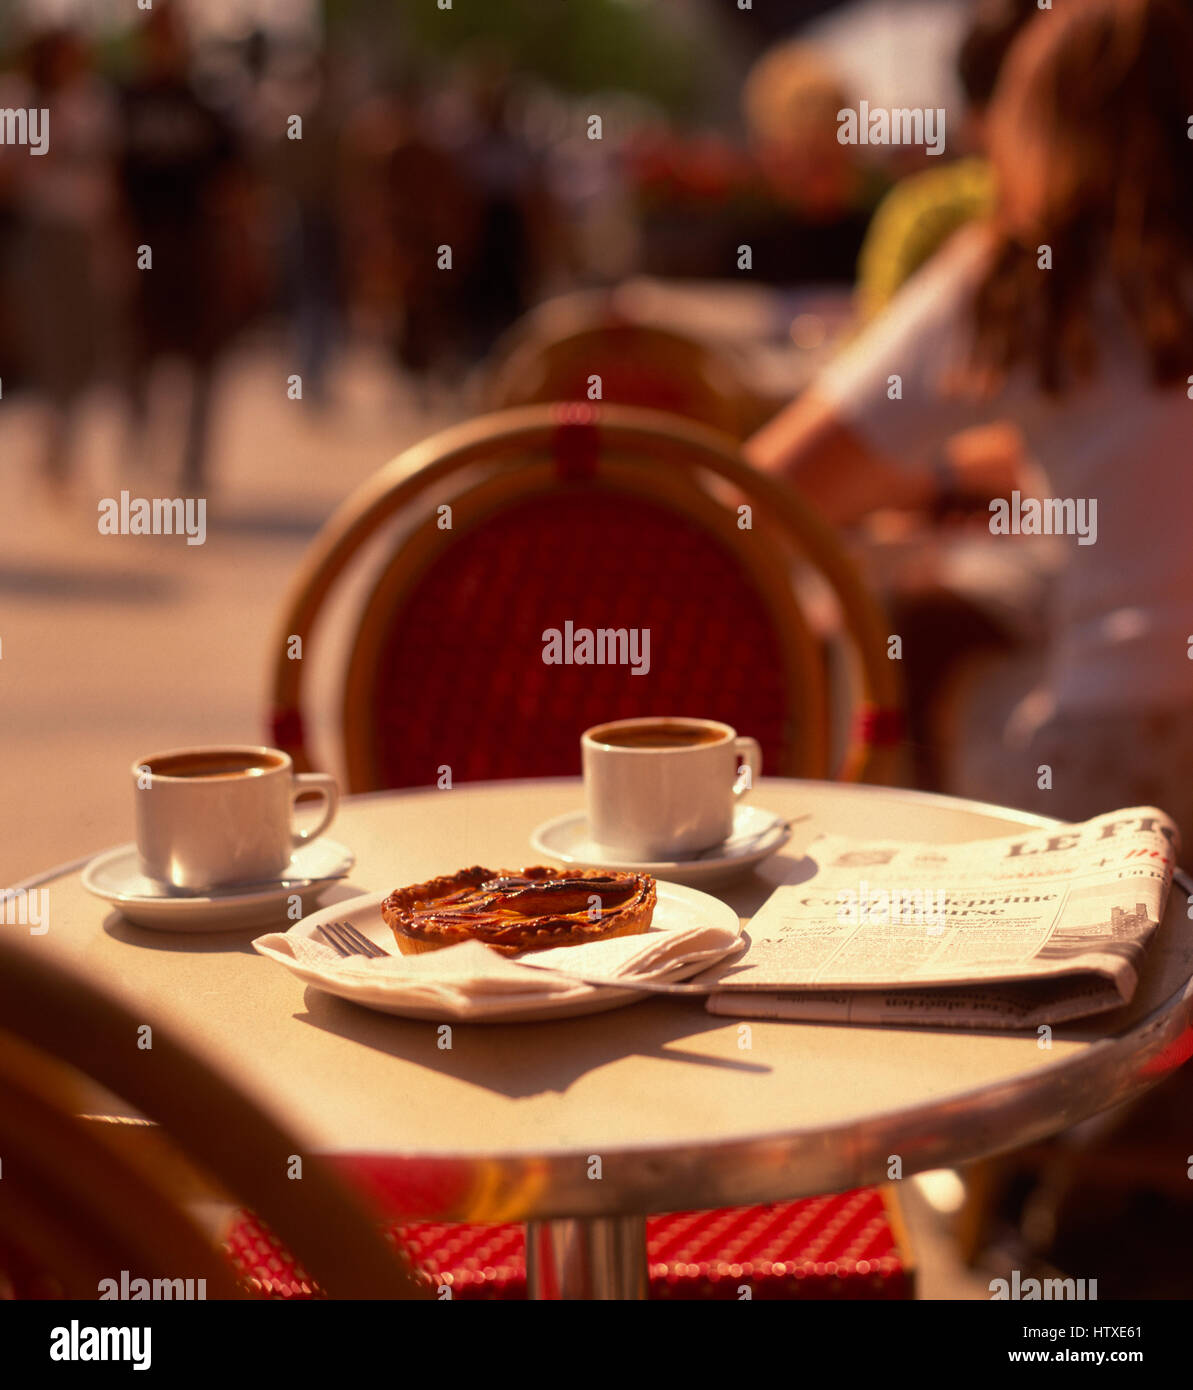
<point>594,1258</point>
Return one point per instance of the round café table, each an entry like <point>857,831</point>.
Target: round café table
<point>581,1127</point>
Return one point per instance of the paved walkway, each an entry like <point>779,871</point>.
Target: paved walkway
<point>114,646</point>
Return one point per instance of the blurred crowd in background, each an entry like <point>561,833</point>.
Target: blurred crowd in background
<point>420,130</point>
<point>313,176</point>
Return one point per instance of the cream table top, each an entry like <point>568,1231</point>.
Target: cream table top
<point>508,1123</point>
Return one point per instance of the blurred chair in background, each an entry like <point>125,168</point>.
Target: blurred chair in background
<point>578,344</point>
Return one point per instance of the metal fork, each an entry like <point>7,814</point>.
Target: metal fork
<point>349,941</point>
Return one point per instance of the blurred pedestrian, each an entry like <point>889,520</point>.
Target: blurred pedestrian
<point>1068,314</point>
<point>514,211</point>
<point>61,233</point>
<point>179,159</point>
<point>821,195</point>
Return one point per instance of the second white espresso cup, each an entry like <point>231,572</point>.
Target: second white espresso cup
<point>208,817</point>
<point>665,786</point>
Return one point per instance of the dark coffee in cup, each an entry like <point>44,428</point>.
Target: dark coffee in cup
<point>654,733</point>
<point>217,763</point>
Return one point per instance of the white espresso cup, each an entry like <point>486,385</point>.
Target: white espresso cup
<point>665,786</point>
<point>212,816</point>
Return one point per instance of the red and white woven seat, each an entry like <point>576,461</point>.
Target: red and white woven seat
<point>844,1246</point>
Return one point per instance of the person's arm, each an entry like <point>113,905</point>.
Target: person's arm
<point>832,467</point>
<point>878,428</point>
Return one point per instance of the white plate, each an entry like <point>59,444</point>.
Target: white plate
<point>757,834</point>
<point>116,877</point>
<point>676,909</point>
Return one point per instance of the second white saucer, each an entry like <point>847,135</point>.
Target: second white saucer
<point>756,835</point>
<point>116,877</point>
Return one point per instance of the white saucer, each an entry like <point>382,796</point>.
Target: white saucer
<point>116,877</point>
<point>757,834</point>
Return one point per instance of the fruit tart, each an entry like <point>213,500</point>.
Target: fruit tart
<point>519,910</point>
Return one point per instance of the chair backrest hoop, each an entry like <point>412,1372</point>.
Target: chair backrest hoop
<point>563,351</point>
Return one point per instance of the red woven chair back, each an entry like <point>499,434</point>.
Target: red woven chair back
<point>616,522</point>
<point>461,677</point>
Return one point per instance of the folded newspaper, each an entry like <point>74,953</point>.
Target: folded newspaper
<point>1036,928</point>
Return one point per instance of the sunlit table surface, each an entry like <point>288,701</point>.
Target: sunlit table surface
<point>682,1108</point>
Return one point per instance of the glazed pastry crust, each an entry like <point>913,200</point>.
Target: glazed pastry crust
<point>516,910</point>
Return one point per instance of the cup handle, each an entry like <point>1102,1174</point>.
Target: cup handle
<point>751,770</point>
<point>328,788</point>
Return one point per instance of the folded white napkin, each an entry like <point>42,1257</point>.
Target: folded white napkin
<point>471,981</point>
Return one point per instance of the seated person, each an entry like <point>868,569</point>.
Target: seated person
<point>1069,311</point>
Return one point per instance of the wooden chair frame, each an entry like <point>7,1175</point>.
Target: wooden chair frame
<point>72,1205</point>
<point>81,1181</point>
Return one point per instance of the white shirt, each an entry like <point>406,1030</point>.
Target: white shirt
<point>1122,610</point>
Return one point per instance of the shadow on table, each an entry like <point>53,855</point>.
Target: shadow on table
<point>746,895</point>
<point>238,939</point>
<point>225,939</point>
<point>524,1059</point>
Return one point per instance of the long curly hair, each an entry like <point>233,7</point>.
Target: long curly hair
<point>1091,134</point>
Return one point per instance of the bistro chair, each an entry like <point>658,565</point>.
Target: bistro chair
<point>609,518</point>
<point>83,1200</point>
<point>561,348</point>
